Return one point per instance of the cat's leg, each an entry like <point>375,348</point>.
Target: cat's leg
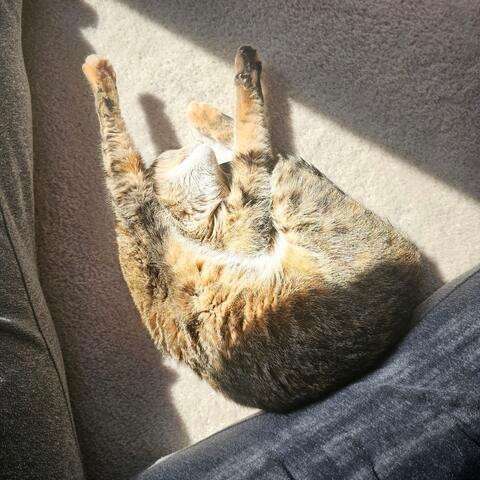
<point>122,163</point>
<point>215,127</point>
<point>135,205</point>
<point>242,223</point>
<point>247,225</point>
<point>211,123</point>
<point>145,240</point>
<point>131,184</point>
<point>250,130</point>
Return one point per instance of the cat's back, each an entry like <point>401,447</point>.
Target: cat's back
<point>349,306</point>
<point>347,238</point>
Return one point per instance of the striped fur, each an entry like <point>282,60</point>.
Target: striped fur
<point>262,276</point>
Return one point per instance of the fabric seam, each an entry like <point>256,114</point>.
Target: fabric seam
<point>450,292</point>
<point>50,353</point>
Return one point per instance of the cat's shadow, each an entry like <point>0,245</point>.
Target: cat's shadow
<point>278,109</point>
<point>162,134</point>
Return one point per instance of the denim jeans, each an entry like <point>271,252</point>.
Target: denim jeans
<point>416,417</point>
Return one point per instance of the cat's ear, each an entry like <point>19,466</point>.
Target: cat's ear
<point>214,177</point>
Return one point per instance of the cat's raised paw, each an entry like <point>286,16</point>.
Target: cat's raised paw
<point>202,116</point>
<point>210,122</point>
<point>247,66</point>
<point>99,72</point>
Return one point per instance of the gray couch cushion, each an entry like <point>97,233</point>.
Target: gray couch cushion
<point>37,437</point>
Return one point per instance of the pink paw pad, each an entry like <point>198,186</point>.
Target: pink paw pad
<point>97,67</point>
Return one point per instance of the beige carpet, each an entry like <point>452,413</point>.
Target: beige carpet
<point>384,97</point>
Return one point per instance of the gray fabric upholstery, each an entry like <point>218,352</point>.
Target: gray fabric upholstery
<point>37,437</point>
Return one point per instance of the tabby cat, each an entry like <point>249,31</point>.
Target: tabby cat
<point>264,277</point>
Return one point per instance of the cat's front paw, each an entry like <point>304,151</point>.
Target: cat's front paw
<point>203,116</point>
<point>247,67</point>
<point>99,73</point>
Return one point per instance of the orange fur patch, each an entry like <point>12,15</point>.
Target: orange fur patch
<point>132,164</point>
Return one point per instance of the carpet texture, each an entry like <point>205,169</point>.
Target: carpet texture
<point>383,96</point>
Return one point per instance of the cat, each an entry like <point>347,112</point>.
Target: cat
<point>265,278</point>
